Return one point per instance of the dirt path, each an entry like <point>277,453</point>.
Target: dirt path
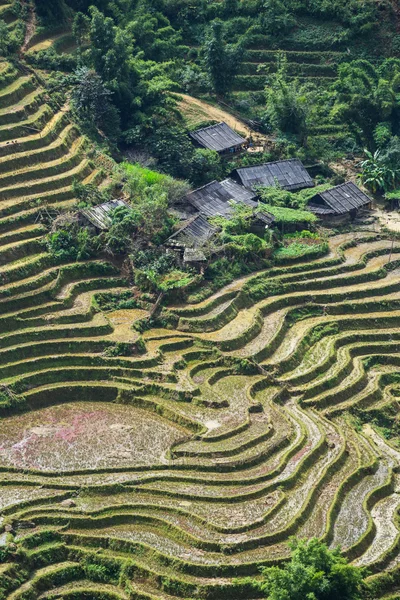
<point>30,28</point>
<point>196,111</point>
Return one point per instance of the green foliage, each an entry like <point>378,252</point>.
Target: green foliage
<point>221,59</point>
<point>91,101</point>
<point>288,106</point>
<point>108,301</point>
<point>10,400</point>
<point>313,573</point>
<point>277,196</point>
<point>51,60</point>
<point>245,247</point>
<point>297,250</point>
<point>137,179</point>
<point>156,271</point>
<point>124,225</point>
<point>126,348</point>
<point>54,12</point>
<point>239,221</point>
<point>276,17</point>
<point>205,165</point>
<point>366,96</point>
<point>10,41</point>
<point>70,241</point>
<point>290,216</point>
<point>377,173</point>
<point>88,194</point>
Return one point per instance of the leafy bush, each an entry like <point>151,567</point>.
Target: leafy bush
<point>126,348</point>
<point>377,173</point>
<point>107,301</point>
<point>290,215</point>
<point>314,572</point>
<point>50,59</point>
<point>68,240</point>
<point>277,196</point>
<point>298,250</point>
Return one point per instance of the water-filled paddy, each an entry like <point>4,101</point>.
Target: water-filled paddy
<point>85,435</point>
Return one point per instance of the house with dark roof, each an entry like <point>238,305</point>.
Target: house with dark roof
<point>215,199</point>
<point>195,233</point>
<point>289,174</point>
<point>100,217</point>
<point>340,203</point>
<point>220,138</point>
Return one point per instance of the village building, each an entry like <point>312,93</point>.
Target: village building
<point>195,233</point>
<point>220,138</point>
<point>189,240</point>
<point>100,217</point>
<point>215,199</point>
<point>289,174</point>
<point>339,204</point>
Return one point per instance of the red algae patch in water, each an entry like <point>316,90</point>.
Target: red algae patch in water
<point>86,435</point>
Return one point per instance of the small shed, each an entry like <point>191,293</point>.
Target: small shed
<point>220,137</point>
<point>99,216</point>
<point>194,257</point>
<point>289,174</point>
<point>339,204</point>
<point>215,199</point>
<point>194,234</point>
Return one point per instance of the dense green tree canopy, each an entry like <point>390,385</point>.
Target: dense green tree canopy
<point>313,573</point>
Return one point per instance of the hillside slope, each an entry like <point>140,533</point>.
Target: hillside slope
<point>173,474</point>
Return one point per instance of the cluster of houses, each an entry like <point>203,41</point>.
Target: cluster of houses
<point>333,207</point>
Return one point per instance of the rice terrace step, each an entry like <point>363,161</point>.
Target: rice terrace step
<point>171,453</point>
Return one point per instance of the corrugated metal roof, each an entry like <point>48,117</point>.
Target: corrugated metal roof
<point>215,199</point>
<point>289,174</point>
<point>237,191</point>
<point>343,198</point>
<point>265,217</point>
<point>100,216</point>
<point>320,210</point>
<point>217,137</point>
<point>194,234</point>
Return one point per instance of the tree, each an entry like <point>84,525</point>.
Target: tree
<point>80,28</point>
<point>313,573</point>
<point>205,166</point>
<point>91,101</point>
<point>221,59</point>
<point>276,18</point>
<point>288,105</point>
<point>366,96</point>
<point>110,48</point>
<point>54,11</point>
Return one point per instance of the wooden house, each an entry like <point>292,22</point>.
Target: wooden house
<point>215,199</point>
<point>220,138</point>
<point>100,217</point>
<point>195,233</point>
<point>339,204</point>
<point>289,174</point>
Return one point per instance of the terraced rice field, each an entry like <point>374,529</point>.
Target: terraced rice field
<point>179,473</point>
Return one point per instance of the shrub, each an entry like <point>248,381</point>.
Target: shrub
<point>68,240</point>
<point>126,348</point>
<point>108,301</point>
<point>291,216</point>
<point>298,250</point>
<point>313,572</point>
